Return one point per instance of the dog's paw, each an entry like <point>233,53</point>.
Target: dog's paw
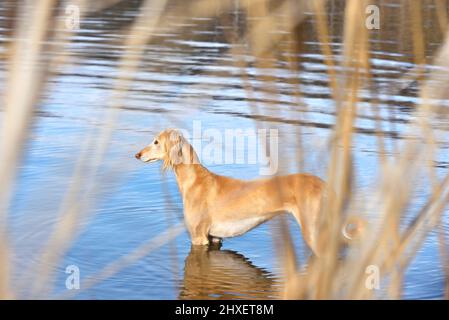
<point>200,241</point>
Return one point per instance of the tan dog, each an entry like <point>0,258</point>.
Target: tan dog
<point>219,207</point>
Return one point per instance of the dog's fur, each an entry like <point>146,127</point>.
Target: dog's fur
<point>218,207</point>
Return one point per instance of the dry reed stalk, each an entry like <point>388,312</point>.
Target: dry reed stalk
<point>389,251</point>
<point>73,209</point>
<point>25,80</point>
<point>397,261</point>
<point>327,277</point>
<point>323,37</point>
<point>441,12</point>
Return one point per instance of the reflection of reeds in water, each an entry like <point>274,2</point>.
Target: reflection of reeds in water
<point>389,246</point>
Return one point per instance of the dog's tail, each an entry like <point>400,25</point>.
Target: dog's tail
<point>353,228</point>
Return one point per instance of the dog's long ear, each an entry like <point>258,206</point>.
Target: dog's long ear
<point>178,150</point>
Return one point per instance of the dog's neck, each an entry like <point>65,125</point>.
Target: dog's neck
<point>188,171</point>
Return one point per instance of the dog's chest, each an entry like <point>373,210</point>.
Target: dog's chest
<point>234,227</point>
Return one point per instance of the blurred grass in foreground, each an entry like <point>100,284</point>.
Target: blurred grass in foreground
<point>38,47</point>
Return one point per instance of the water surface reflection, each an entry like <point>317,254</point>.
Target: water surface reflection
<point>225,274</point>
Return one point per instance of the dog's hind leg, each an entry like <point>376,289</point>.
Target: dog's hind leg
<point>215,239</point>
<point>215,243</point>
<point>309,233</point>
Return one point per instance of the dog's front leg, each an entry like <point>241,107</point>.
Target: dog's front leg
<point>199,231</point>
<point>200,240</point>
<point>199,235</point>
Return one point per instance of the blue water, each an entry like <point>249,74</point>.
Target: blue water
<point>186,75</point>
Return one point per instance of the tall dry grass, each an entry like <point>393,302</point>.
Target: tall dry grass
<point>387,244</point>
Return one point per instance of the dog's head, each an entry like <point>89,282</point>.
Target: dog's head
<point>171,147</point>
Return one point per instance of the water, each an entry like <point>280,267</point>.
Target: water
<point>188,76</point>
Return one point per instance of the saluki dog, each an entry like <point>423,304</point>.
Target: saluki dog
<point>217,207</point>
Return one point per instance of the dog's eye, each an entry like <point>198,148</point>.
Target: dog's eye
<point>156,142</point>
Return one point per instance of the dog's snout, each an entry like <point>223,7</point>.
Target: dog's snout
<point>138,155</point>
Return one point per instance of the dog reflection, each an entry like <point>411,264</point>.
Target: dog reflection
<point>211,273</point>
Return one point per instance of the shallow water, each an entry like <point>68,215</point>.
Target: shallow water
<point>188,77</point>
